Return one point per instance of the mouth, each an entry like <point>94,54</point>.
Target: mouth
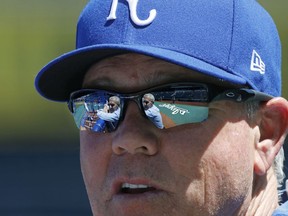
<point>134,193</point>
<point>127,188</point>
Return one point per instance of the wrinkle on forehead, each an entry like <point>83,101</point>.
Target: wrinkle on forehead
<point>130,71</point>
<point>133,72</point>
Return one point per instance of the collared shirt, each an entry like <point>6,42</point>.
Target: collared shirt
<point>281,210</point>
<point>110,117</point>
<point>153,113</point>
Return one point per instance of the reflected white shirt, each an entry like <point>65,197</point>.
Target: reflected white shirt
<point>153,113</point>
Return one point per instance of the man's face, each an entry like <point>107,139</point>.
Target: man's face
<point>112,106</point>
<point>194,169</point>
<point>147,103</point>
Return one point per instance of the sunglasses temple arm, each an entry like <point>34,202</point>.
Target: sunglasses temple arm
<point>243,95</point>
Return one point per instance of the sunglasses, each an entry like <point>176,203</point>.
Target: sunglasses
<point>175,104</point>
<point>145,101</point>
<point>111,105</point>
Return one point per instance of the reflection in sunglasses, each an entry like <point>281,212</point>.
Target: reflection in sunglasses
<point>171,105</point>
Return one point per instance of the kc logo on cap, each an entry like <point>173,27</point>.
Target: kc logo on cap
<point>133,13</point>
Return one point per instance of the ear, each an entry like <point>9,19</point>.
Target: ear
<point>273,124</point>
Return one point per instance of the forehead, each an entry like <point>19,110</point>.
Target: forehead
<point>133,72</point>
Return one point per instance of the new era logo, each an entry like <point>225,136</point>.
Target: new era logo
<point>256,63</point>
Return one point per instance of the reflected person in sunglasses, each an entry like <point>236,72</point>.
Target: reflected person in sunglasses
<point>151,111</point>
<point>110,114</point>
<point>213,68</point>
<point>111,111</point>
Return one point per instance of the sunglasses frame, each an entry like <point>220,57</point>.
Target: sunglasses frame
<point>214,93</point>
<point>211,89</point>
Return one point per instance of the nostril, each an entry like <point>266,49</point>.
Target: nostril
<point>118,149</point>
<point>133,150</point>
<point>143,148</point>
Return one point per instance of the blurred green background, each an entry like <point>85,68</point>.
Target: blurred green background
<point>33,32</point>
<point>39,160</point>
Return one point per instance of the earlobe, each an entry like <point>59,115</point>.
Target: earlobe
<point>272,129</point>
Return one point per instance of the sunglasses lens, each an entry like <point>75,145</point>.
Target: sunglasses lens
<point>99,111</point>
<point>172,108</point>
<point>91,112</point>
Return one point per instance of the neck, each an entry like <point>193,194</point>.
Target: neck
<point>264,195</point>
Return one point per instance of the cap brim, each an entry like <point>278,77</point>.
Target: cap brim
<point>65,74</point>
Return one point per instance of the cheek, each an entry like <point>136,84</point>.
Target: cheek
<point>215,163</point>
<point>184,148</point>
<point>94,157</point>
<point>228,166</point>
<point>233,145</point>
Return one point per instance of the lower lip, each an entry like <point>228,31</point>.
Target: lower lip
<point>147,203</point>
<point>126,199</point>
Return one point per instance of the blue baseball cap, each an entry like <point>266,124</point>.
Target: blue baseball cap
<point>235,41</point>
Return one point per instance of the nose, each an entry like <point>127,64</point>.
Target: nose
<point>135,134</point>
